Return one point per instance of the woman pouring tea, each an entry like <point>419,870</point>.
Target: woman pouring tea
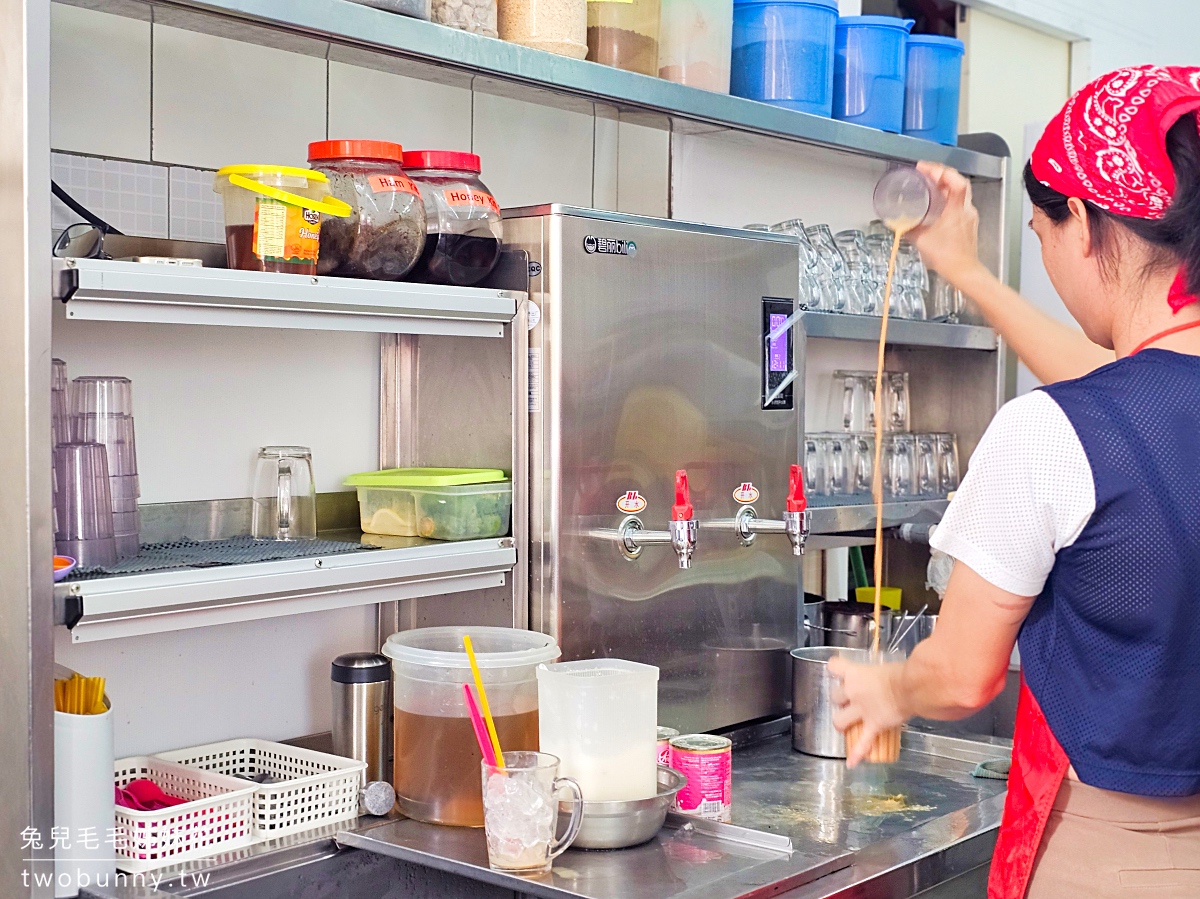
<point>1077,528</point>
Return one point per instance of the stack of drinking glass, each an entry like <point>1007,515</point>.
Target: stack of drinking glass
<point>96,474</point>
<point>847,273</point>
<point>841,463</point>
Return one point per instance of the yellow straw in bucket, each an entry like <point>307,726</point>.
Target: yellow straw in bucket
<point>483,701</point>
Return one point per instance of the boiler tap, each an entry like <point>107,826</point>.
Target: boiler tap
<point>797,519</point>
<point>682,526</point>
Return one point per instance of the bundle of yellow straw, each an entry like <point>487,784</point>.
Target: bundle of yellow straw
<point>78,695</point>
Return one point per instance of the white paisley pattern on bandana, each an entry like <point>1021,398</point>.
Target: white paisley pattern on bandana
<point>1108,145</point>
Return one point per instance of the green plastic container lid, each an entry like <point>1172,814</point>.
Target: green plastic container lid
<point>425,477</point>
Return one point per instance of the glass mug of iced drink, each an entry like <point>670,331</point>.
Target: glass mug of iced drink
<point>520,812</point>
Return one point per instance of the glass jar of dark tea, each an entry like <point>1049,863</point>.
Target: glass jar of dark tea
<point>464,230</point>
<point>384,234</point>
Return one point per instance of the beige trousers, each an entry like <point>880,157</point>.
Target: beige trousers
<point>1099,844</point>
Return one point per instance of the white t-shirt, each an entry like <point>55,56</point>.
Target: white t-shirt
<point>1028,493</point>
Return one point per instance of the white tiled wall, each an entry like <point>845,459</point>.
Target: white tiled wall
<point>195,211</point>
<point>219,102</point>
<point>130,196</point>
<point>99,83</point>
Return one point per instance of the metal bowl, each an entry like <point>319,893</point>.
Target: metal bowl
<point>619,824</point>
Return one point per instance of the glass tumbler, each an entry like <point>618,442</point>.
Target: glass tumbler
<point>285,497</point>
<point>895,401</point>
<point>862,464</point>
<point>815,480</point>
<point>928,482</point>
<point>520,812</point>
<point>879,249</point>
<point>861,293</point>
<point>854,395</point>
<point>838,452</point>
<point>813,271</point>
<point>945,301</point>
<point>899,466</point>
<point>834,286</point>
<point>948,477</point>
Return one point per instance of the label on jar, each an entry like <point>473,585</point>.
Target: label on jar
<point>392,184</point>
<point>285,233</point>
<point>468,196</point>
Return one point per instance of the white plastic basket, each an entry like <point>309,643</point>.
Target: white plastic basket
<point>315,787</point>
<point>218,817</point>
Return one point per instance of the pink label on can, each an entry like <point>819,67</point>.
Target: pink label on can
<point>709,789</point>
<point>664,752</point>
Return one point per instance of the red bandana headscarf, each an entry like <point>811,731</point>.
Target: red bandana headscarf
<point>1108,145</point>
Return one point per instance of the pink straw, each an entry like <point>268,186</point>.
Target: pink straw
<point>481,734</point>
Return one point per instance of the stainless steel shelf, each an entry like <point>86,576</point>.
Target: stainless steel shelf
<point>842,519</point>
<point>107,608</point>
<point>365,29</point>
<point>109,290</point>
<point>900,331</point>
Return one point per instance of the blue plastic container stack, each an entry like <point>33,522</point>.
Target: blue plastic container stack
<point>783,53</point>
<point>932,88</point>
<point>869,71</point>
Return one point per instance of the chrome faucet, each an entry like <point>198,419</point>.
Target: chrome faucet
<point>683,526</point>
<point>796,522</point>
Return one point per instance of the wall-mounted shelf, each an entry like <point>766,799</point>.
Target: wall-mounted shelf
<point>362,28</point>
<point>125,606</point>
<point>847,518</point>
<point>111,290</point>
<point>900,331</point>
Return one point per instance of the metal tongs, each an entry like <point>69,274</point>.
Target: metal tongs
<point>906,625</point>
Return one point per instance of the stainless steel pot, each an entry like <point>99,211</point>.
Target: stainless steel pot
<point>811,621</point>
<point>852,625</point>
<point>812,703</point>
<point>752,672</point>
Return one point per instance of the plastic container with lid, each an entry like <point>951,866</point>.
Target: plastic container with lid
<point>417,9</point>
<point>437,761</point>
<point>437,503</point>
<point>624,34</point>
<point>556,26</point>
<point>694,43</point>
<point>783,53</point>
<point>932,87</point>
<point>273,216</point>
<point>869,68</point>
<point>464,230</point>
<point>385,232</point>
<point>475,16</point>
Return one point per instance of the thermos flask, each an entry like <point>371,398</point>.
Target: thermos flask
<point>362,710</point>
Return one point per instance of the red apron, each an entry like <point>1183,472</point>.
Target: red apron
<point>1039,765</point>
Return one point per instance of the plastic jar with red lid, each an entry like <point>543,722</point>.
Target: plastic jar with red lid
<point>464,231</point>
<point>384,235</point>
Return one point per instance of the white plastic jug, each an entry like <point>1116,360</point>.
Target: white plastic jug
<point>600,716</point>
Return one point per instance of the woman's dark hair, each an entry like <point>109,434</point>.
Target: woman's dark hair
<point>1174,239</point>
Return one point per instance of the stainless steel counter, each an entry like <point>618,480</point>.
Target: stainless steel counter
<point>803,826</point>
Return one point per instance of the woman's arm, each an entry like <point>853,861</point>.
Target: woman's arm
<point>956,672</point>
<point>1052,350</point>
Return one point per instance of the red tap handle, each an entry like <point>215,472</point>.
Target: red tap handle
<point>796,501</point>
<point>682,510</point>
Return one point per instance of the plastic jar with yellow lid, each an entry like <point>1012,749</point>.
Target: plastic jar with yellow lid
<point>273,216</point>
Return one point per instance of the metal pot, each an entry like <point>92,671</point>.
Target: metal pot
<point>751,674</point>
<point>812,703</point>
<point>811,621</point>
<point>813,732</point>
<point>852,625</point>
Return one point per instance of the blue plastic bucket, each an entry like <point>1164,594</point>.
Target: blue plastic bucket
<point>932,87</point>
<point>868,71</point>
<point>783,53</point>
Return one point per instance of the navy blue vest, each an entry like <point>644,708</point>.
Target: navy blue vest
<point>1111,648</point>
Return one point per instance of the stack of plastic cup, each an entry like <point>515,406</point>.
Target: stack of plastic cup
<point>60,420</point>
<point>83,505</point>
<point>102,412</point>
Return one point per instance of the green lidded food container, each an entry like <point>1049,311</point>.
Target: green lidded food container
<point>438,503</point>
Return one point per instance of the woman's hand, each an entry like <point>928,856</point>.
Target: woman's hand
<point>949,246</point>
<point>871,694</point>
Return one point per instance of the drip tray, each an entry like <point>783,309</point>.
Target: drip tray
<point>185,553</point>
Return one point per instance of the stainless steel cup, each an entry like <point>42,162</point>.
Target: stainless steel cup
<point>362,709</point>
<point>812,703</point>
<point>852,625</point>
